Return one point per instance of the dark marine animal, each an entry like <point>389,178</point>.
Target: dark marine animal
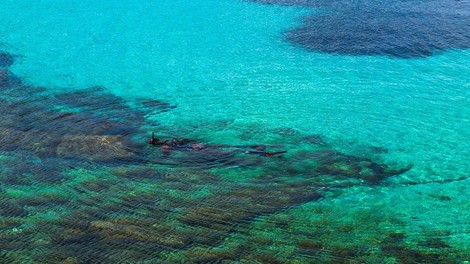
<point>189,144</point>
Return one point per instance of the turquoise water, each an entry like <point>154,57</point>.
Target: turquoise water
<point>236,80</point>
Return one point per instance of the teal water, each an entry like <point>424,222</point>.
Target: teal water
<point>236,80</point>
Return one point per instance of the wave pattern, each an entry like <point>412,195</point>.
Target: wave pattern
<point>80,184</point>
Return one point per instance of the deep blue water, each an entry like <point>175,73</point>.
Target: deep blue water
<point>402,29</point>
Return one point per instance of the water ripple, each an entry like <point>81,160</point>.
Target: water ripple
<point>80,184</point>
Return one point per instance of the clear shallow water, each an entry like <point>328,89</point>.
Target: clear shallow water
<point>236,80</point>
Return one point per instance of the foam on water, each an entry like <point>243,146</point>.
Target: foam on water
<point>234,79</point>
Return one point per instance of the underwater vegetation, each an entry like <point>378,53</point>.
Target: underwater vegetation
<point>80,184</point>
<point>399,29</point>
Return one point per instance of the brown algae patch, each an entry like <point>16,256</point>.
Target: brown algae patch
<point>94,148</point>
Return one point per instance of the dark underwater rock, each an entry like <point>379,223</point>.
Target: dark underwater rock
<point>138,173</point>
<point>309,246</point>
<point>95,148</point>
<point>379,149</point>
<point>210,158</point>
<point>202,255</point>
<point>240,205</point>
<point>206,221</point>
<point>314,140</point>
<point>337,164</point>
<point>97,185</point>
<point>395,237</point>
<point>45,199</point>
<point>101,131</point>
<point>156,105</point>
<point>8,80</point>
<point>12,209</point>
<point>400,29</point>
<point>442,198</point>
<point>3,78</point>
<point>118,229</point>
<point>30,122</point>
<point>407,255</point>
<point>87,97</point>
<point>285,131</point>
<point>29,169</point>
<point>6,59</point>
<point>433,243</point>
<point>102,104</point>
<point>40,143</point>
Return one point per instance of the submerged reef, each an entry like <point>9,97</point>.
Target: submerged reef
<point>6,59</point>
<point>81,185</point>
<point>400,29</point>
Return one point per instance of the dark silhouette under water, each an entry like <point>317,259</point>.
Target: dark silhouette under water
<point>6,59</point>
<point>134,224</point>
<point>190,144</point>
<point>399,29</point>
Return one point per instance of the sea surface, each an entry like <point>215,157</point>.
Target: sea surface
<point>370,99</point>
